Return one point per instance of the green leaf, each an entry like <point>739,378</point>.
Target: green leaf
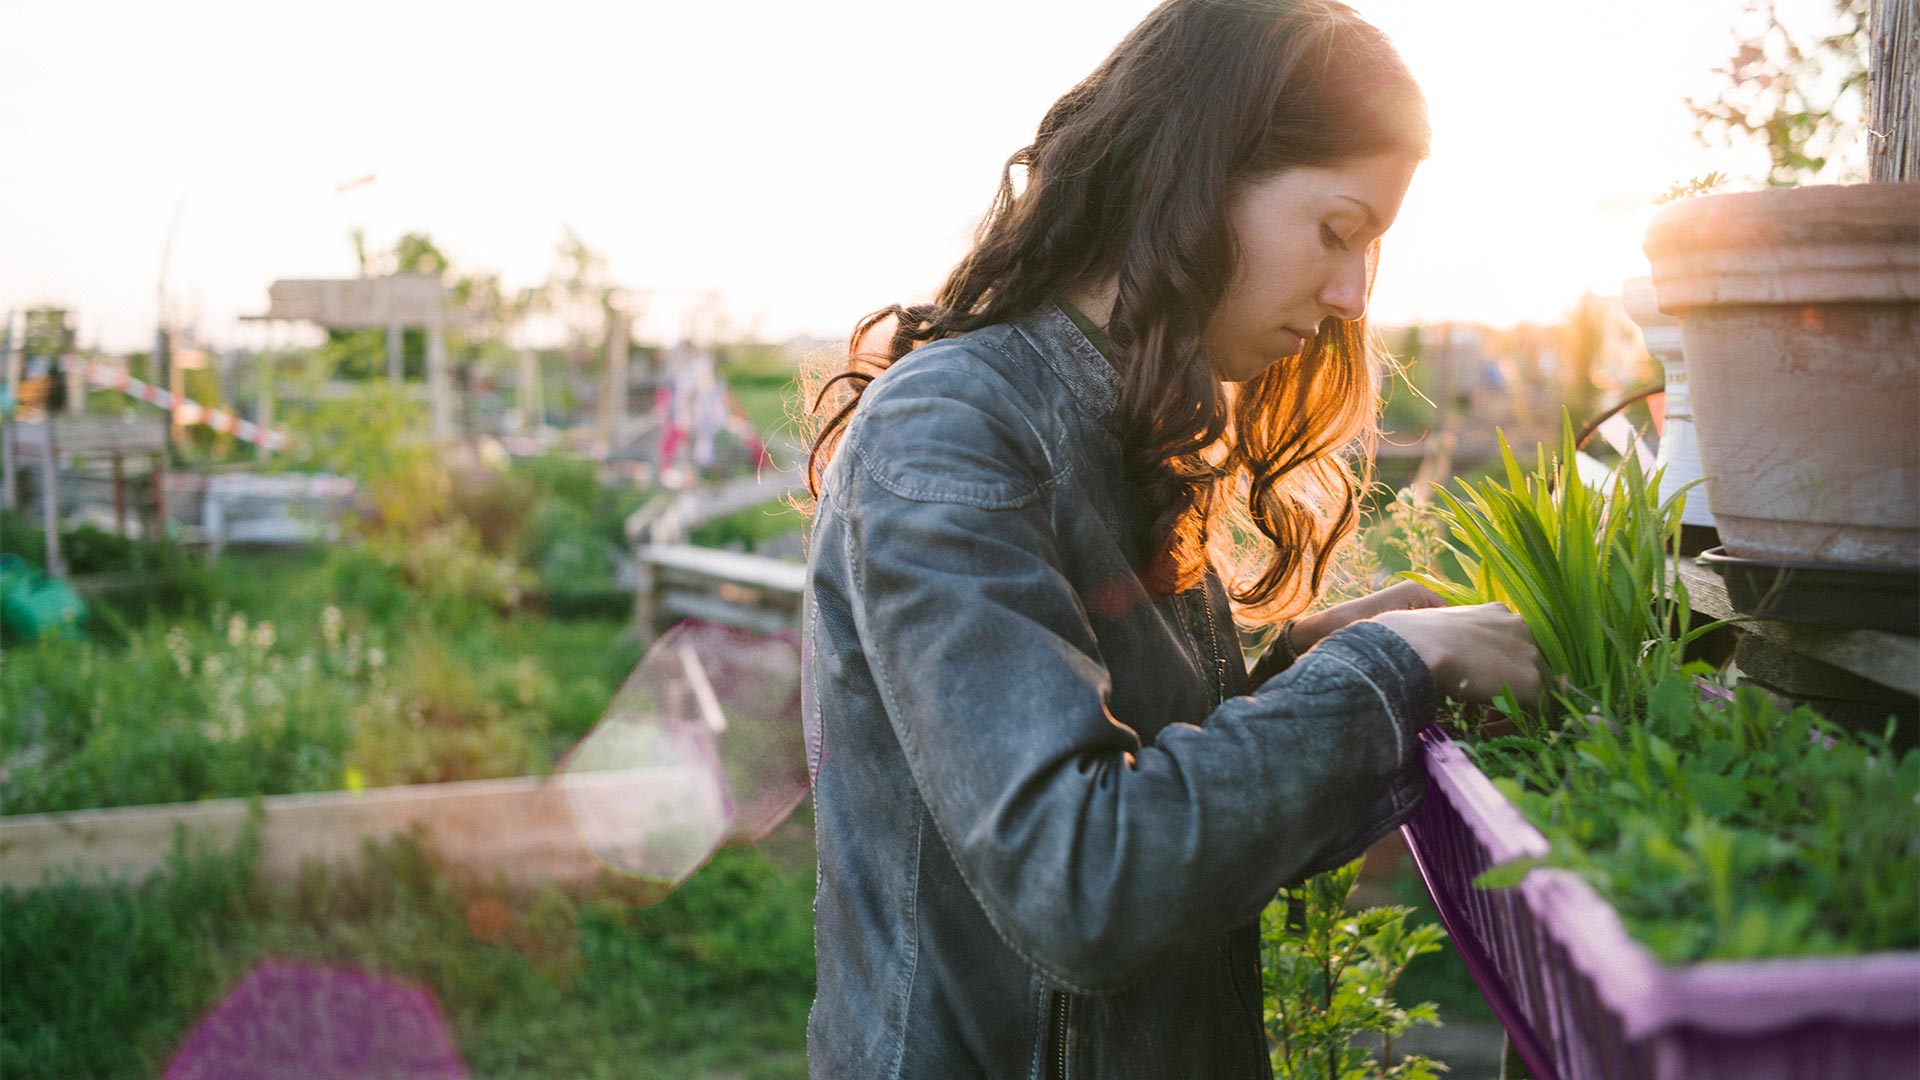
<point>1507,874</point>
<point>1718,796</point>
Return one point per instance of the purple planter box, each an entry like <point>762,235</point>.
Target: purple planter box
<point>1581,1000</point>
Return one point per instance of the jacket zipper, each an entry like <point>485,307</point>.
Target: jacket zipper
<point>1213,643</point>
<point>1057,1036</point>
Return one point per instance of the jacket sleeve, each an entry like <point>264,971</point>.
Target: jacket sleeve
<point>1094,856</point>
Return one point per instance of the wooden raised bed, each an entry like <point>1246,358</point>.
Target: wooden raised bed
<point>519,827</point>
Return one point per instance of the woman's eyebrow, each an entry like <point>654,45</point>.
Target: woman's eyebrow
<point>1372,218</point>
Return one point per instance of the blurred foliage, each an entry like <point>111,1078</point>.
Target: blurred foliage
<point>380,430</point>
<point>765,383</point>
<point>1705,184</point>
<point>1800,97</point>
<point>711,981</point>
<point>745,530</point>
<point>1410,409</point>
<point>137,577</point>
<point>296,674</point>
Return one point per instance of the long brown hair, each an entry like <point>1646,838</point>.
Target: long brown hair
<point>1128,179</point>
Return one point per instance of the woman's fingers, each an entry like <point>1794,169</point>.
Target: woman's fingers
<point>1473,651</point>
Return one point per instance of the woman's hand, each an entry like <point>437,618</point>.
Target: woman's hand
<point>1472,651</point>
<point>1403,596</point>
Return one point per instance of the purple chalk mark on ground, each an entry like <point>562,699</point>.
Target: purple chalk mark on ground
<point>320,1022</point>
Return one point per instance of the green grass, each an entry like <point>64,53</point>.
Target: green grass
<point>715,980</point>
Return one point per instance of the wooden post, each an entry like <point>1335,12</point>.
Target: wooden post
<point>50,499</point>
<point>396,357</point>
<point>13,355</point>
<point>646,602</point>
<point>1893,85</point>
<point>263,410</point>
<point>75,370</point>
<point>177,386</point>
<point>613,400</point>
<point>438,390</point>
<point>119,493</point>
<point>157,478</point>
<point>533,410</point>
<point>9,492</point>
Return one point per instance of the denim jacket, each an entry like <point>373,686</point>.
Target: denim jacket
<point>1049,807</point>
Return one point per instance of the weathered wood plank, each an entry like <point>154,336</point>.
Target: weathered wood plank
<point>730,566</point>
<point>1891,660</point>
<point>520,827</point>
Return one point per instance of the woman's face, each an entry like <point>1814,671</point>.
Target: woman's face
<point>1303,235</point>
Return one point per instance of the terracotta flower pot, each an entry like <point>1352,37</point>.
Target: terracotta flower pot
<point>1800,313</point>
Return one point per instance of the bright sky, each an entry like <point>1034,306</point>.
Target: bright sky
<point>809,161</point>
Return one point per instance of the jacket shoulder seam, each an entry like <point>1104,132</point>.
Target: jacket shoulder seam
<point>981,496</point>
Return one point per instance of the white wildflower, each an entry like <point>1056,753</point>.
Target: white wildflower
<point>236,630</point>
<point>181,649</point>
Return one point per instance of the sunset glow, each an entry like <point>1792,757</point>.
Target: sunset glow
<point>808,162</point>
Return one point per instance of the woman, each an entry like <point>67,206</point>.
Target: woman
<point>1050,799</point>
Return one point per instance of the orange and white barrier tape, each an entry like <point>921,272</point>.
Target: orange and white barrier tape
<point>187,411</point>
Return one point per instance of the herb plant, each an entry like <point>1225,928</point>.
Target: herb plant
<point>1329,984</point>
<point>1726,828</point>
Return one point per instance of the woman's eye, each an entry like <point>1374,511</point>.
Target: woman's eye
<point>1331,238</point>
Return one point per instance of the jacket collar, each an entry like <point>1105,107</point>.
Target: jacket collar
<point>1091,380</point>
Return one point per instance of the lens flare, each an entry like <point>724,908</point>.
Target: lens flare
<point>702,744</point>
<point>328,1023</point>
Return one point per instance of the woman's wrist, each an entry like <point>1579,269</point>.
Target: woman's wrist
<point>1415,630</point>
<point>1308,630</point>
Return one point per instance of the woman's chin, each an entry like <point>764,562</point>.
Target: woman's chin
<point>1245,369</point>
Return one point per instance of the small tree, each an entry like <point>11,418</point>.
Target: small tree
<point>1802,98</point>
<point>1810,100</point>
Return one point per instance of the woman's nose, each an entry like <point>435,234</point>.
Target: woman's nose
<point>1345,293</point>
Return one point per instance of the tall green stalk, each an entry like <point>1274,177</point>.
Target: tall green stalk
<point>1586,567</point>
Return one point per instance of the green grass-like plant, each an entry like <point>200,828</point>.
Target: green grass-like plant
<point>1586,567</point>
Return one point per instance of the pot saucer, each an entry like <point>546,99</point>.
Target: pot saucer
<point>1821,594</point>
